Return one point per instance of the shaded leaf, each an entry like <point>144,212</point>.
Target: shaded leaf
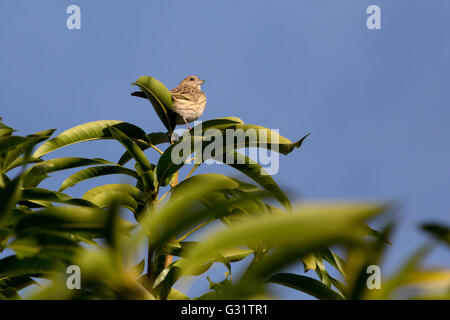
<point>311,224</point>
<point>143,166</point>
<point>11,267</point>
<point>439,231</point>
<point>41,194</point>
<point>9,195</point>
<point>305,284</point>
<point>153,139</point>
<point>20,149</point>
<point>10,142</point>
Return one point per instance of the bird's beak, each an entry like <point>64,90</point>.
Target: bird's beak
<point>202,81</point>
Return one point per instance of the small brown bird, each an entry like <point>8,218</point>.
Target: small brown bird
<point>189,101</point>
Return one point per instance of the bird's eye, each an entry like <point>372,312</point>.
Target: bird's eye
<point>192,79</point>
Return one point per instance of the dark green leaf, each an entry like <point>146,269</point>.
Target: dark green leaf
<point>439,231</point>
<point>161,99</point>
<point>308,285</point>
<point>154,139</point>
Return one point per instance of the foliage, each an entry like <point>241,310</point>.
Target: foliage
<point>48,230</point>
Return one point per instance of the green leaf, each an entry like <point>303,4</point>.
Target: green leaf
<point>132,148</point>
<point>309,262</point>
<point>87,222</point>
<point>94,172</point>
<point>263,138</point>
<point>322,272</point>
<point>153,138</point>
<point>219,182</point>
<point>438,231</point>
<point>20,149</point>
<point>10,142</point>
<point>9,195</point>
<point>41,194</point>
<point>311,224</point>
<point>359,258</point>
<point>182,249</point>
<point>4,129</point>
<point>139,268</point>
<point>24,247</point>
<point>20,161</point>
<point>333,259</point>
<point>38,172</point>
<point>402,275</point>
<point>88,132</point>
<point>434,278</point>
<point>253,136</point>
<point>11,267</point>
<point>9,287</point>
<point>258,174</point>
<point>143,166</point>
<point>215,124</point>
<point>167,222</point>
<point>169,276</point>
<point>305,284</point>
<point>161,99</point>
<point>123,194</point>
<point>174,294</point>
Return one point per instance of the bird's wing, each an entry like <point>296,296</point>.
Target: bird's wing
<point>186,93</point>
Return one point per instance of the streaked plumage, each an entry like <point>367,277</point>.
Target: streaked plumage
<point>189,102</point>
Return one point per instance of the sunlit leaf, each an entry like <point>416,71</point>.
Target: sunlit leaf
<point>93,172</point>
<point>174,157</point>
<point>20,161</point>
<point>88,132</point>
<point>38,172</point>
<point>161,99</point>
<point>123,194</point>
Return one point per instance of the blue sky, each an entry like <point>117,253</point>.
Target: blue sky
<point>376,101</point>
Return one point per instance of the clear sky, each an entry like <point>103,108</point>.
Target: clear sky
<point>376,101</point>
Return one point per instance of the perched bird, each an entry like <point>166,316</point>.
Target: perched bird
<point>189,101</point>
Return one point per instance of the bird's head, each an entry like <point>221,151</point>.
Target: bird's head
<point>192,81</point>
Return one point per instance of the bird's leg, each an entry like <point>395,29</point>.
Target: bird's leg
<point>189,127</point>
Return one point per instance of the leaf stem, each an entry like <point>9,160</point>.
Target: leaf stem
<point>192,171</point>
<point>157,149</point>
<point>164,195</point>
<point>195,229</point>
